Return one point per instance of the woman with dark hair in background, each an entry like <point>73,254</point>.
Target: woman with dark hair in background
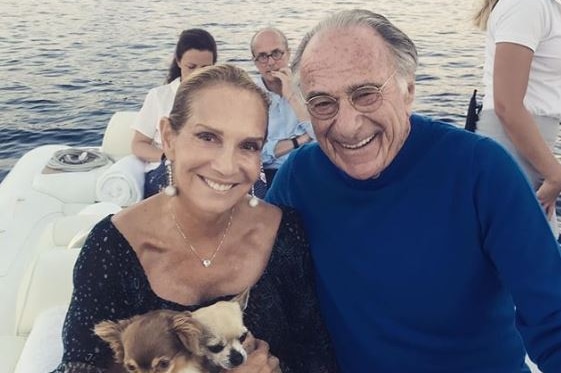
<point>195,48</point>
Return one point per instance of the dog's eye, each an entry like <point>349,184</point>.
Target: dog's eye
<point>130,367</point>
<point>215,348</point>
<point>163,364</point>
<point>243,337</point>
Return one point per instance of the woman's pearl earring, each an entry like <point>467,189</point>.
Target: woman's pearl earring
<point>170,190</point>
<point>253,201</point>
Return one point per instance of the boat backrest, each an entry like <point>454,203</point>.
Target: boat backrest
<point>118,134</point>
<point>47,282</point>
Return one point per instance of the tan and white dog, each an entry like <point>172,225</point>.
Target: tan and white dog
<point>204,341</point>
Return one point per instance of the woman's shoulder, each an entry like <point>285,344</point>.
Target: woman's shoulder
<point>284,215</point>
<point>104,231</point>
<point>290,235</point>
<point>144,213</point>
<point>104,243</point>
<point>281,225</point>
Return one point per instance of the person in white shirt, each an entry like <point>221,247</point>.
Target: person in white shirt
<point>289,122</point>
<point>195,48</point>
<point>522,77</point>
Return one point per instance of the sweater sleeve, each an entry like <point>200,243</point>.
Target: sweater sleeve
<point>516,236</point>
<point>97,296</point>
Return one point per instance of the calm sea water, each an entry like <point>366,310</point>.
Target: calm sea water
<point>67,65</point>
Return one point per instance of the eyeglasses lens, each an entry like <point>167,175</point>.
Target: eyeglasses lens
<point>264,57</point>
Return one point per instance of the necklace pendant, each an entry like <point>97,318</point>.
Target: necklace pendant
<point>206,263</point>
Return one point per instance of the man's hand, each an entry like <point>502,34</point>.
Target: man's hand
<point>285,76</point>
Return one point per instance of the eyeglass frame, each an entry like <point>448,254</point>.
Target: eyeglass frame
<point>266,56</point>
<point>378,89</point>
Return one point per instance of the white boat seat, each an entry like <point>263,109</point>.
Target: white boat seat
<point>65,229</point>
<point>10,349</point>
<point>43,348</point>
<point>47,284</point>
<point>48,280</point>
<point>69,187</point>
<point>118,134</point>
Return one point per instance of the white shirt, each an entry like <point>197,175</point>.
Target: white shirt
<point>535,24</point>
<point>158,104</point>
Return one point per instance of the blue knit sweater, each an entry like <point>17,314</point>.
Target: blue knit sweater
<point>421,269</point>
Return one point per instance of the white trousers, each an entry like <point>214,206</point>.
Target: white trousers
<point>489,125</point>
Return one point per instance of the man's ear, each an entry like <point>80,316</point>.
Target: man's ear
<point>168,138</point>
<point>410,96</point>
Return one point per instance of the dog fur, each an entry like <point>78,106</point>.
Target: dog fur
<point>163,341</point>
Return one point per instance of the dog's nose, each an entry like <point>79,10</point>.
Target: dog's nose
<point>236,358</point>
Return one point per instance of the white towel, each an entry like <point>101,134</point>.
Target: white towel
<point>42,351</point>
<point>122,183</point>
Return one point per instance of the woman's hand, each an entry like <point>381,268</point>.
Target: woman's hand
<point>547,194</point>
<point>259,360</point>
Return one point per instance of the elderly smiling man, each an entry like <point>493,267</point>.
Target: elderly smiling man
<point>432,253</point>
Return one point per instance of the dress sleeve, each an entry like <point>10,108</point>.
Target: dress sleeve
<point>97,296</point>
<point>312,349</point>
<point>517,237</point>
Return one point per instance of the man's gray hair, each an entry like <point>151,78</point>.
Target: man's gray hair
<point>401,46</point>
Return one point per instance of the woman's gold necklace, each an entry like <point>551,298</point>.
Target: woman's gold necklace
<point>206,262</point>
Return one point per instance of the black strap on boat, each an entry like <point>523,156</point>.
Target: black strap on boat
<point>472,116</point>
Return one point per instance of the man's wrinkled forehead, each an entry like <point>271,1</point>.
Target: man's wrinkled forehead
<point>334,53</point>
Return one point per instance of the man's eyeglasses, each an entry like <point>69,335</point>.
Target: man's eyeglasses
<point>264,57</point>
<point>366,99</point>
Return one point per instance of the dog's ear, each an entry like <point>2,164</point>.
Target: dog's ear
<point>189,331</point>
<point>110,332</point>
<point>242,299</point>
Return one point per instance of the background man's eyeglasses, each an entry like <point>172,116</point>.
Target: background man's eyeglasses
<point>365,99</point>
<point>264,57</point>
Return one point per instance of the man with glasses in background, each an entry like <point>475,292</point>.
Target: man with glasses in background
<point>432,253</point>
<point>289,123</point>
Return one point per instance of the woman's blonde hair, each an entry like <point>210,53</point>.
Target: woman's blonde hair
<point>482,15</point>
<point>208,77</point>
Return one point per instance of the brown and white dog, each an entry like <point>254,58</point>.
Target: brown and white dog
<point>204,341</point>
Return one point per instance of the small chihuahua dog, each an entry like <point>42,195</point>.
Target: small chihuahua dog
<point>204,341</point>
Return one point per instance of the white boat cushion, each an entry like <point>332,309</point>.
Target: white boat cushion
<point>118,134</point>
<point>72,231</point>
<point>66,228</point>
<point>42,351</point>
<point>49,284</point>
<point>10,349</point>
<point>69,187</point>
